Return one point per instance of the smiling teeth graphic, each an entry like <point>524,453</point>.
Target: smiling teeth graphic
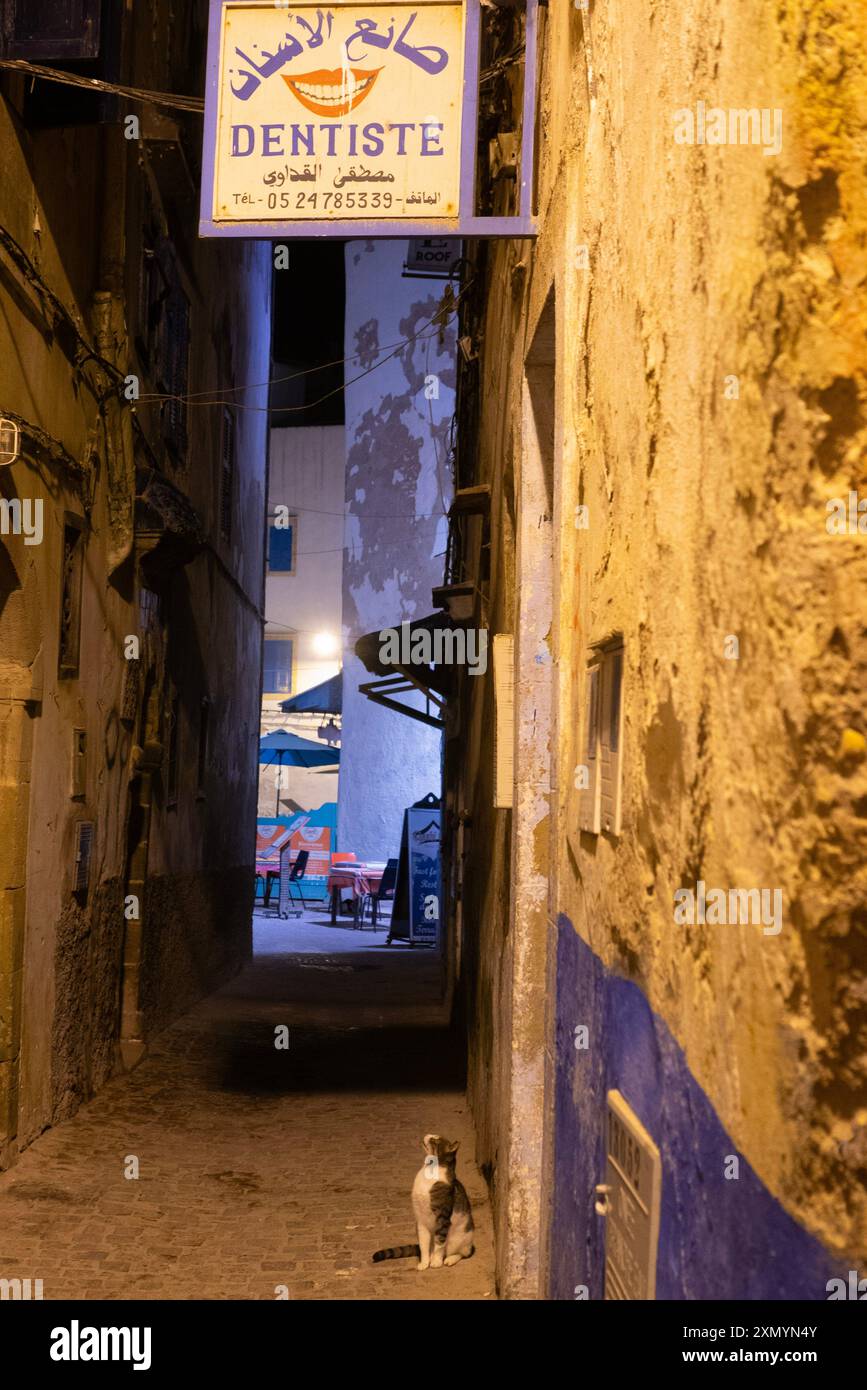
<point>332,93</point>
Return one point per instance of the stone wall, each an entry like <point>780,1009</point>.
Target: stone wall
<point>84,980</point>
<point>708,393</point>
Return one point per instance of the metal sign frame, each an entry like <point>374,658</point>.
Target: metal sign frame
<point>466,224</point>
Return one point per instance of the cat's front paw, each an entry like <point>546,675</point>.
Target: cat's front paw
<point>423,1264</point>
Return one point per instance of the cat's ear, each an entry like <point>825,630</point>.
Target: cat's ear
<point>429,1143</point>
<point>453,1146</point>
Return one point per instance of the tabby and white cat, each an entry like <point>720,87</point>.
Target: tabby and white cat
<point>441,1208</point>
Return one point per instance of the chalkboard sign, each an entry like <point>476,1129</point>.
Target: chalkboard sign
<point>416,916</point>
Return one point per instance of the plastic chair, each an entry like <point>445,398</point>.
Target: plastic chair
<point>385,892</point>
<point>296,875</point>
<point>336,900</point>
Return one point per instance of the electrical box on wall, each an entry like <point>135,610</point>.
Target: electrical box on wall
<point>633,1180</point>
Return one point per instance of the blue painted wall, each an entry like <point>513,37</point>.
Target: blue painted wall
<point>718,1238</point>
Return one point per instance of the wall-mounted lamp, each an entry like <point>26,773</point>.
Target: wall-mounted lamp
<point>10,442</point>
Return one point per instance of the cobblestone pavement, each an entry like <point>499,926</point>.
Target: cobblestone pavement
<point>260,1167</point>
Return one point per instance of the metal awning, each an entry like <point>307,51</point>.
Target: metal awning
<point>434,682</point>
<point>325,698</point>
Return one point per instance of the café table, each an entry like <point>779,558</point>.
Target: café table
<point>361,879</point>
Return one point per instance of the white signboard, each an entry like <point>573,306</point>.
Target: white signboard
<point>337,112</point>
<point>634,1179</point>
<point>432,256</point>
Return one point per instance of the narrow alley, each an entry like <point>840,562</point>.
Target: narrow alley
<point>261,1172</point>
<point>433,752</point>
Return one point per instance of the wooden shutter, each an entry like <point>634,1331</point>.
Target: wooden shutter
<point>281,547</point>
<point>588,812</point>
<point>504,721</point>
<point>610,732</point>
<point>40,29</point>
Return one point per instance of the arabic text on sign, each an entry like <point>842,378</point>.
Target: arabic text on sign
<point>428,57</point>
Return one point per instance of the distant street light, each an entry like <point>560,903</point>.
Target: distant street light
<point>325,644</point>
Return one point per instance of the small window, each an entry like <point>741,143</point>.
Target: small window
<point>279,661</point>
<point>149,610</point>
<point>600,806</point>
<point>227,474</point>
<point>281,545</point>
<point>72,569</point>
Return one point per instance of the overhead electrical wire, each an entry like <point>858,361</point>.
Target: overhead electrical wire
<point>172,100</point>
<point>190,397</point>
<point>443,314</point>
<point>155,397</point>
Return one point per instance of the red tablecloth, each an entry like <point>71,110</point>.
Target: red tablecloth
<point>360,878</point>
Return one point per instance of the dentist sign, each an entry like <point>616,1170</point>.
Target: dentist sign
<point>343,119</point>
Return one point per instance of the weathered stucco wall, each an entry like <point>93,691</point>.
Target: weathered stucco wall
<point>398,489</point>
<point>676,268</point>
<point>307,473</point>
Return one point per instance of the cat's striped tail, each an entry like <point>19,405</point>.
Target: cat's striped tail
<point>398,1252</point>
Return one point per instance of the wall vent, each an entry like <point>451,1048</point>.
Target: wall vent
<point>83,849</point>
<point>633,1187</point>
